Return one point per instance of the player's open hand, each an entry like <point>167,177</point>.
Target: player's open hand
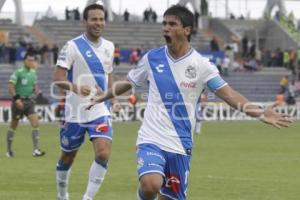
<point>274,118</point>
<point>116,106</point>
<point>19,104</point>
<point>85,90</point>
<point>97,98</point>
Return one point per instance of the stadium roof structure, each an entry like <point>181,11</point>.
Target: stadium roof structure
<point>19,14</point>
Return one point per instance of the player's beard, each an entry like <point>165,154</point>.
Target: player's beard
<point>96,33</point>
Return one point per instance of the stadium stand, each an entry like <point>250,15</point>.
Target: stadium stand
<point>126,35</point>
<point>6,71</point>
<point>270,33</point>
<point>15,32</point>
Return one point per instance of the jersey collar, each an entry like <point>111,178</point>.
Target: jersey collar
<point>179,59</point>
<point>92,43</point>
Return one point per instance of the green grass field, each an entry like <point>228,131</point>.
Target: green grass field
<point>231,161</point>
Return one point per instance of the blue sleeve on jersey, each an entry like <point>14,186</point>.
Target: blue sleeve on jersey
<point>215,83</point>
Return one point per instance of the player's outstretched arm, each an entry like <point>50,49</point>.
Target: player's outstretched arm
<point>118,88</point>
<point>59,79</point>
<point>239,102</point>
<point>278,120</point>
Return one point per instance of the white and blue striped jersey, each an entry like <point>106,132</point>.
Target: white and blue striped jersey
<point>87,64</point>
<point>174,89</point>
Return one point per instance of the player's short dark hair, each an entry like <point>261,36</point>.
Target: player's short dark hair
<point>91,7</point>
<point>185,16</point>
<point>29,54</point>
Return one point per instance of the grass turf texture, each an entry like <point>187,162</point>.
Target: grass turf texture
<point>231,161</point>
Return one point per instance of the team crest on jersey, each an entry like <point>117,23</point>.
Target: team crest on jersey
<point>190,72</point>
<point>65,141</point>
<point>140,163</point>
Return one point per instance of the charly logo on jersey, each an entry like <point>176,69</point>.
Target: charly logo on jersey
<point>190,72</point>
<point>88,53</point>
<point>159,68</point>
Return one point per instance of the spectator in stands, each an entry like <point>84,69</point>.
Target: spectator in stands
<point>280,99</point>
<point>251,64</point>
<point>154,16</point>
<point>279,57</point>
<point>117,55</point>
<point>22,87</point>
<point>67,13</point>
<point>286,59</point>
<point>2,50</point>
<point>76,14</point>
<point>31,49</point>
<point>232,16</point>
<point>55,51</point>
<point>277,16</point>
<point>291,93</point>
<point>218,63</point>
<point>229,53</point>
<point>225,65</point>
<point>5,53</point>
<point>252,50</point>
<point>284,82</point>
<point>258,56</point>
<point>126,15</point>
<point>234,44</point>
<point>245,46</point>
<point>134,56</point>
<point>241,17</point>
<point>267,57</point>
<point>214,46</point>
<point>146,15</point>
<point>45,57</point>
<point>12,51</point>
<point>292,60</point>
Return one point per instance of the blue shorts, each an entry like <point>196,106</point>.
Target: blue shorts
<point>72,134</point>
<point>173,167</point>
